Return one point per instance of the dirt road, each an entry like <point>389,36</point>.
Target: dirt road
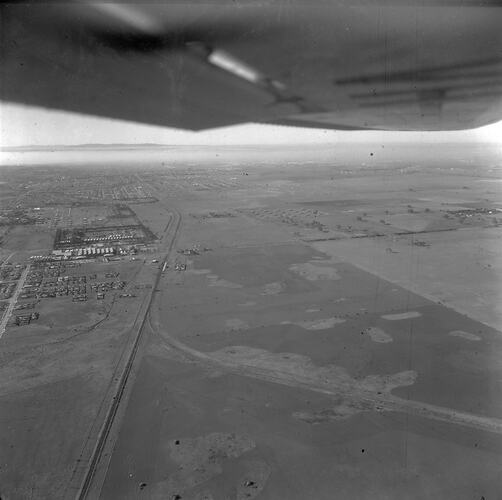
<point>296,371</point>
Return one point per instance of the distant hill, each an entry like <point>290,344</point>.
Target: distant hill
<point>232,147</point>
<point>82,147</point>
<point>152,147</point>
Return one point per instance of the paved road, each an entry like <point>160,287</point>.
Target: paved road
<point>13,300</point>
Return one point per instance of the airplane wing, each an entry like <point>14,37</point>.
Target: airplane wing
<point>348,65</point>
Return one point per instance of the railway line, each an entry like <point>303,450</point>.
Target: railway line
<point>119,397</point>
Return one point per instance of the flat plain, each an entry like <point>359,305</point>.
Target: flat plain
<point>306,331</point>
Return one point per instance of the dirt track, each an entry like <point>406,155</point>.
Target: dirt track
<point>369,393</point>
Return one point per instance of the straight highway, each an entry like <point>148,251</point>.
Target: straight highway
<point>13,300</point>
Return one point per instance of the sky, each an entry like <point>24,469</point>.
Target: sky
<point>32,126</point>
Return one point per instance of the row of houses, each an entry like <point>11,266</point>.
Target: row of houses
<point>86,252</point>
